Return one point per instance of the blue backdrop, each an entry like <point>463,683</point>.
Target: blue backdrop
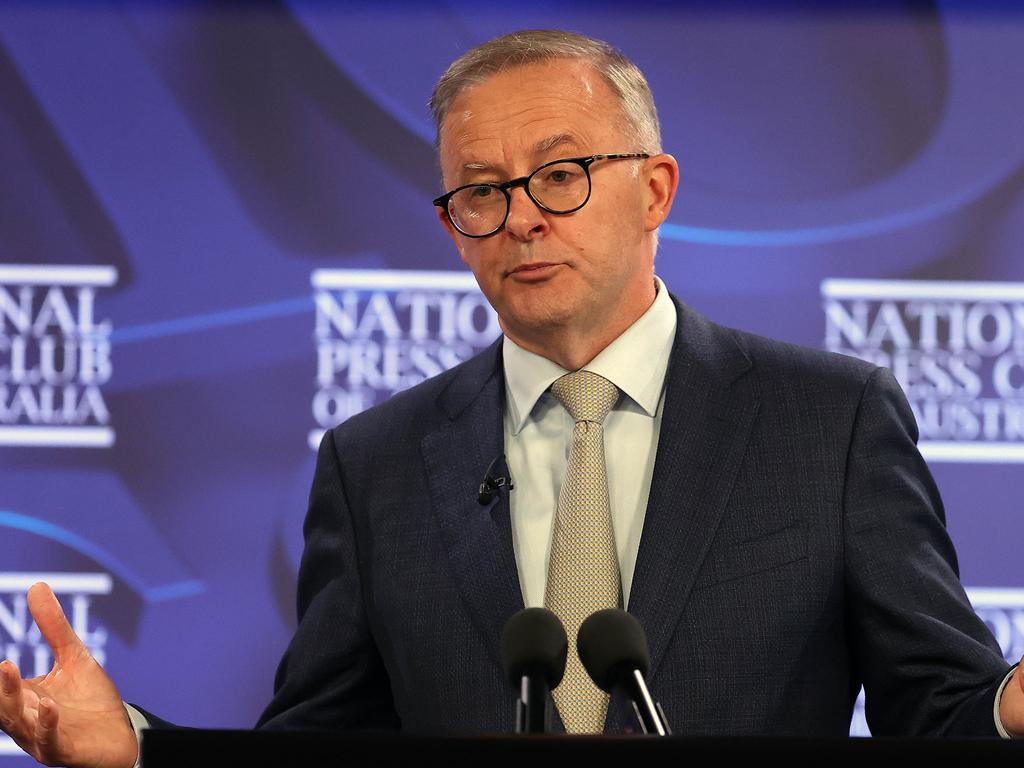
<point>216,240</point>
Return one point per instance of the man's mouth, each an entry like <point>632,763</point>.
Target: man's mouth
<point>533,267</point>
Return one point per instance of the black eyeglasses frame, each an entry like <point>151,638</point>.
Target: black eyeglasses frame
<point>524,182</point>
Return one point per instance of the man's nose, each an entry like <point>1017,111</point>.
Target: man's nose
<point>526,219</point>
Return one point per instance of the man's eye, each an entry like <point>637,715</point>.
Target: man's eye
<point>561,176</point>
<point>482,191</point>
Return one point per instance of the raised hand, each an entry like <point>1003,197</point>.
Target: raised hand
<point>72,716</point>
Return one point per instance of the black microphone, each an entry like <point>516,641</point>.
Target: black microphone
<point>533,652</point>
<point>613,649</point>
<point>496,477</point>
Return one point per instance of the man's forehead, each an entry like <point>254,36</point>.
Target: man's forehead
<point>534,108</point>
<point>552,86</point>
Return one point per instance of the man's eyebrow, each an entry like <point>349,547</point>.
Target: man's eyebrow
<point>546,145</point>
<point>541,147</point>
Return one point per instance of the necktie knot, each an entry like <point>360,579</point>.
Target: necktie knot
<point>585,395</point>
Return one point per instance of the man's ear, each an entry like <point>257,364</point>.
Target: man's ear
<point>662,175</point>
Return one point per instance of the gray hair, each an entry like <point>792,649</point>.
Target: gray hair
<point>541,45</point>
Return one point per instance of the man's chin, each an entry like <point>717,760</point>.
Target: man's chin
<point>536,323</point>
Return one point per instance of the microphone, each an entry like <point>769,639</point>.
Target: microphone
<point>496,477</point>
<point>613,648</point>
<point>533,652</point>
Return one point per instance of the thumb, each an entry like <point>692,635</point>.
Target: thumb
<point>49,617</point>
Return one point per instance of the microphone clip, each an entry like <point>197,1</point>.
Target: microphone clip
<point>496,478</point>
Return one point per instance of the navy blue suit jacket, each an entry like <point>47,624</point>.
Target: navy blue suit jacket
<point>793,548</point>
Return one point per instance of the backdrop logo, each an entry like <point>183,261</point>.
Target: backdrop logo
<point>54,356</point>
<point>379,332</point>
<point>957,349</point>
<point>19,636</point>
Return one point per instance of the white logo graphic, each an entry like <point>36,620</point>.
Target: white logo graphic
<point>957,349</point>
<point>381,331</point>
<point>21,640</point>
<point>54,356</point>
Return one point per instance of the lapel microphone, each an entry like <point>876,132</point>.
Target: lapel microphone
<point>496,478</point>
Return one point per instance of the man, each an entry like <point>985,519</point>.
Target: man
<point>771,522</point>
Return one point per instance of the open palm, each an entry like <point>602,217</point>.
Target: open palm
<point>73,715</point>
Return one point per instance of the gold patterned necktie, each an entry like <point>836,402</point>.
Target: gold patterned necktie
<point>583,571</point>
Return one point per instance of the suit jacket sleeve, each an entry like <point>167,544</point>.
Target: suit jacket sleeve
<point>929,665</point>
<point>331,676</point>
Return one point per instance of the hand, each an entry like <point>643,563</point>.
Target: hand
<point>1011,705</point>
<point>72,716</point>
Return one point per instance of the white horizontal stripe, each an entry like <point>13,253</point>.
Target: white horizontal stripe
<point>392,278</point>
<point>60,437</point>
<point>315,436</point>
<point>996,597</point>
<point>983,453</point>
<point>834,288</point>
<point>8,747</point>
<point>76,583</point>
<point>57,274</point>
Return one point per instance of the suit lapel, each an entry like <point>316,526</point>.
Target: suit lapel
<point>478,539</point>
<point>704,432</point>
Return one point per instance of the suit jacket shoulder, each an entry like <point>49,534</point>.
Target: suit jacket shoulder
<point>774,363</point>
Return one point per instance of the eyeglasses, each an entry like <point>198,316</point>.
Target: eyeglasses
<point>561,186</point>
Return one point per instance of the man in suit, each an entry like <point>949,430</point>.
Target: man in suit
<point>775,529</point>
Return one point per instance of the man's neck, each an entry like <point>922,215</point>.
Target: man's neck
<point>570,350</point>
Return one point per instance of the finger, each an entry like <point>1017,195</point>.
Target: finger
<point>11,703</point>
<point>50,619</point>
<point>46,730</point>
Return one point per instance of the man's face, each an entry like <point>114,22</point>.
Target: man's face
<point>585,271</point>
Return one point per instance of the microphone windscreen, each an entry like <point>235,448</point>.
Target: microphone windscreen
<point>534,643</point>
<point>612,642</point>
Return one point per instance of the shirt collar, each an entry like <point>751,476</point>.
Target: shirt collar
<point>636,362</point>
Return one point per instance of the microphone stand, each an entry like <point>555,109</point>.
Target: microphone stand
<point>531,707</point>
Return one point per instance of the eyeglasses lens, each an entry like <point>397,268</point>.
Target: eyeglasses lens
<point>478,210</point>
<point>561,187</point>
